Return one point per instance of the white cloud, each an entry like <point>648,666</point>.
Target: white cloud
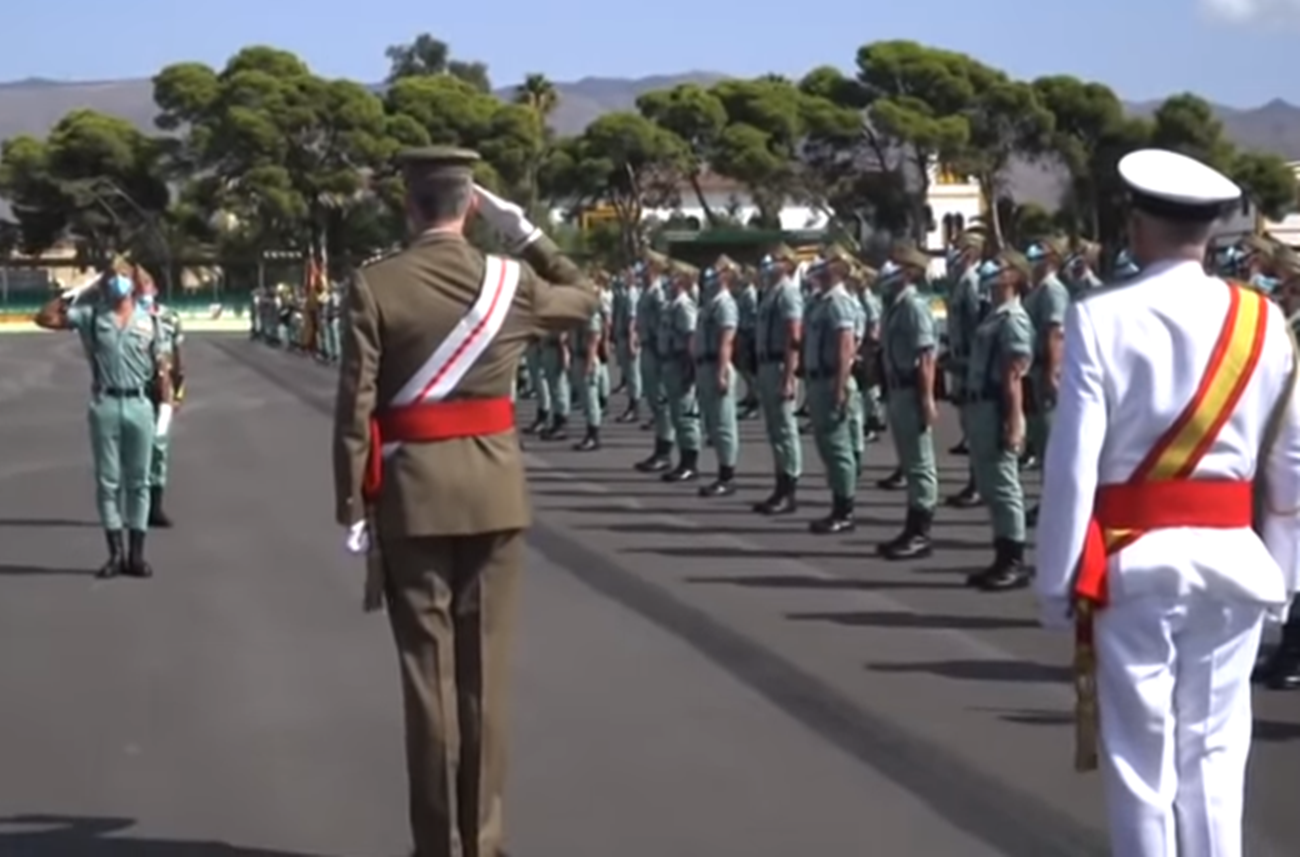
<point>1253,11</point>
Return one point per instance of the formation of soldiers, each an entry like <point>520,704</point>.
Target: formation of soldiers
<point>304,319</point>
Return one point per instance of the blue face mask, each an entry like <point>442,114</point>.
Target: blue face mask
<point>145,301</point>
<point>119,287</point>
<point>1265,283</point>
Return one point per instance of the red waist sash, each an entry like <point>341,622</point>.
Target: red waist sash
<point>429,422</point>
<point>1122,513</point>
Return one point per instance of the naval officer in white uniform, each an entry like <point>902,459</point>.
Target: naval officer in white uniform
<point>1185,594</point>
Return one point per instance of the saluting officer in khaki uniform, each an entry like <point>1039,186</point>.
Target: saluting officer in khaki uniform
<point>429,478</point>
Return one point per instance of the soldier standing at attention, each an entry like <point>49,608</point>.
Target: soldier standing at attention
<point>650,310</point>
<point>330,323</point>
<point>715,345</point>
<point>1178,391</point>
<point>588,342</point>
<point>779,338</point>
<point>169,325</point>
<point>1002,350</point>
<point>623,324</point>
<point>556,364</point>
<point>830,346</point>
<point>965,310</point>
<point>677,327</point>
<point>128,356</point>
<point>540,384</point>
<point>1079,273</point>
<point>909,344</point>
<point>746,359</point>
<point>1046,304</point>
<point>429,479</point>
<point>868,374</point>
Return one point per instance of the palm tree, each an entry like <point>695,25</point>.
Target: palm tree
<point>540,96</point>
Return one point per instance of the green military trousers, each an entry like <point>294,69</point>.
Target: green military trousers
<point>159,460</point>
<point>833,431</point>
<point>1039,425</point>
<point>121,444</point>
<point>683,407</point>
<point>602,381</point>
<point>629,367</point>
<point>557,380</point>
<point>997,470</point>
<point>857,415</point>
<point>779,420</point>
<point>586,382</point>
<point>718,410</point>
<point>914,445</point>
<point>653,386</point>
<point>537,376</point>
<point>330,347</point>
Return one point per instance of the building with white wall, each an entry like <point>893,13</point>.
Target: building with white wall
<point>1286,230</point>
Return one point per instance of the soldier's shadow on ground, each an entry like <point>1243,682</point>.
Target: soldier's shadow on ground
<point>43,571</point>
<point>1018,672</point>
<point>46,523</point>
<point>793,582</point>
<point>70,836</point>
<point>914,621</point>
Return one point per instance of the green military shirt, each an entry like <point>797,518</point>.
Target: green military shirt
<point>964,309</point>
<point>650,307</point>
<point>908,331</point>
<point>588,332</point>
<point>169,322</point>
<point>778,306</point>
<point>1005,335</point>
<point>719,314</point>
<point>120,358</point>
<point>1047,305</point>
<point>872,309</point>
<point>829,315</point>
<point>1082,284</point>
<point>624,316</point>
<point>747,309</point>
<point>677,326</point>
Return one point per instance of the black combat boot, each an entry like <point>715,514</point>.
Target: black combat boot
<point>782,501</point>
<point>960,449</point>
<point>589,443</point>
<point>632,414</point>
<point>1282,670</point>
<point>116,559</point>
<point>659,460</point>
<point>914,541</point>
<point>840,520</point>
<point>540,422</point>
<point>157,515</point>
<point>687,469</point>
<point>557,430</point>
<point>1007,572</point>
<point>723,486</point>
<point>892,482</point>
<point>967,498</point>
<point>135,562</point>
<point>1031,517</point>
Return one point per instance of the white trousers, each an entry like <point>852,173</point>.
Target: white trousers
<point>1173,687</point>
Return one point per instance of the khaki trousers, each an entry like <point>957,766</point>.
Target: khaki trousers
<point>451,603</point>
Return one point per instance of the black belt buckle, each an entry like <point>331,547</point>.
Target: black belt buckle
<point>123,392</point>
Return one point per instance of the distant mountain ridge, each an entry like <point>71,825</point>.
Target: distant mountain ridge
<point>34,105</point>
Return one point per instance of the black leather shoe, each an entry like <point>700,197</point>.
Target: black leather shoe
<point>136,566</point>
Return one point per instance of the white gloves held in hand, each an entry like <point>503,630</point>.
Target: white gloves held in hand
<point>358,539</point>
<point>164,420</point>
<point>506,219</point>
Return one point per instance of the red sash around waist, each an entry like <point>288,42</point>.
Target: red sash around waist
<point>1123,513</point>
<point>429,422</point>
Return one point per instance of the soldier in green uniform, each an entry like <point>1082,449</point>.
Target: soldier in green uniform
<point>1046,303</point>
<point>331,303</point>
<point>868,365</point>
<point>170,327</point>
<point>650,309</point>
<point>830,347</point>
<point>556,365</point>
<point>1079,273</point>
<point>538,382</point>
<point>623,328</point>
<point>746,359</point>
<point>909,342</point>
<point>1002,351</point>
<point>853,286</point>
<point>778,340</point>
<point>715,345</point>
<point>128,356</point>
<point>588,342</point>
<point>965,309</point>
<point>677,326</point>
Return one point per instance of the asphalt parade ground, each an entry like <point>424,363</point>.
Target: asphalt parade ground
<point>691,679</point>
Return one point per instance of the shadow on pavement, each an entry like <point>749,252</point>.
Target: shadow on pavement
<point>1276,731</point>
<point>68,836</point>
<point>47,523</point>
<point>808,582</point>
<point>919,621</point>
<point>42,571</point>
<point>991,670</point>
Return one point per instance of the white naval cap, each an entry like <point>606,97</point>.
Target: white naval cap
<point>1169,185</point>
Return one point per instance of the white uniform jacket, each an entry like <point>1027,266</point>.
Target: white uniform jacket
<point>1135,355</point>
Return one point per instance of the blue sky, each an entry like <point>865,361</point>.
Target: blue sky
<point>1239,52</point>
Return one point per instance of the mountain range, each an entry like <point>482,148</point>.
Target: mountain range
<point>33,106</point>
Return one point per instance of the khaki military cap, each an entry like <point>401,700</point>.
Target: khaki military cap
<point>1056,246</point>
<point>1016,261</point>
<point>725,263</point>
<point>1284,256</point>
<point>839,253</point>
<point>439,161</point>
<point>971,240</point>
<point>654,257</point>
<point>909,255</point>
<point>1261,244</point>
<point>783,253</point>
<point>683,269</point>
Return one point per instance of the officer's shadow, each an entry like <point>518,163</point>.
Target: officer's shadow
<point>70,836</point>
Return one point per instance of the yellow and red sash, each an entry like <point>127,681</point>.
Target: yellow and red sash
<point>1161,492</point>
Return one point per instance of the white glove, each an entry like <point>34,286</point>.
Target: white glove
<point>164,420</point>
<point>506,219</point>
<point>71,294</point>
<point>358,541</point>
